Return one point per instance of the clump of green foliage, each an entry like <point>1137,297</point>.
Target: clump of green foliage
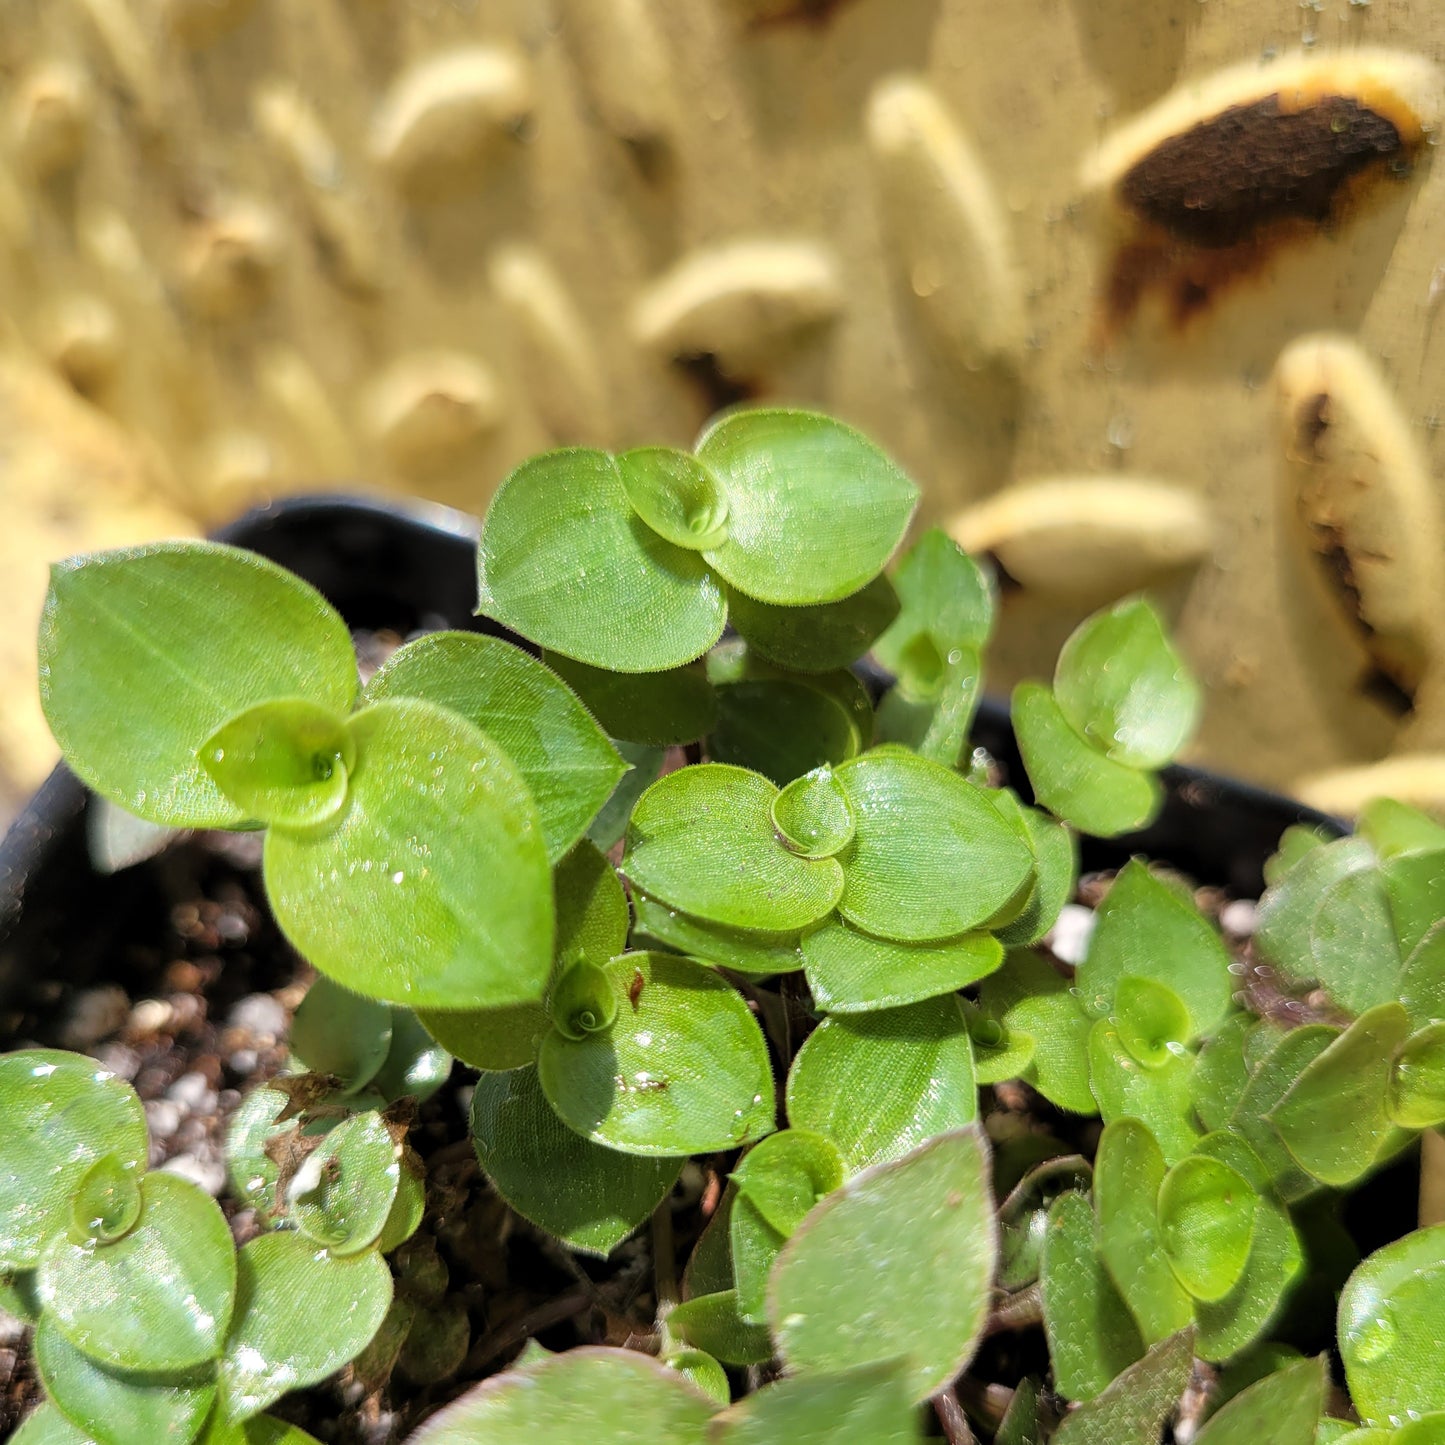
<point>829,941</point>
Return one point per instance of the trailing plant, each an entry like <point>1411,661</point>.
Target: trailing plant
<point>681,893</point>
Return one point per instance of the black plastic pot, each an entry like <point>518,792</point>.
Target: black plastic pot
<point>407,566</point>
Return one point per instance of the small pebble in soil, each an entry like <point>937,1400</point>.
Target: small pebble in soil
<point>148,1017</point>
<point>91,1015</point>
<point>163,1118</point>
<point>210,1174</point>
<point>1239,917</point>
<point>193,1093</point>
<point>1069,937</point>
<point>259,1015</point>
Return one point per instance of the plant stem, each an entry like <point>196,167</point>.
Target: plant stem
<point>1016,1311</point>
<point>1432,1178</point>
<point>951,1417</point>
<point>664,1259</point>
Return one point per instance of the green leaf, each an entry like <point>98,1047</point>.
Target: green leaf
<point>945,600</point>
<point>783,727</point>
<point>146,651</point>
<point>932,857</point>
<point>754,1247</point>
<point>1268,1084</point>
<point>107,1201</point>
<point>1427,1430</point>
<point>611,823</point>
<point>112,1407</point>
<point>1282,1408</point>
<point>1206,1224</point>
<point>1295,843</point>
<point>253,1173</point>
<point>432,889</point>
<point>758,953</point>
<point>1160,1096</point>
<point>285,1285</point>
<point>1056,870</point>
<point>786,1174</point>
<point>1135,1408</point>
<point>676,496</point>
<point>711,1322</point>
<point>869,1404</point>
<point>415,1065</point>
<point>683,1069</point>
<point>878,1085</point>
<point>819,638</point>
<point>1329,919</point>
<point>281,762</point>
<point>1152,1022</point>
<point>812,816</point>
<point>814,508</point>
<point>157,1300</point>
<point>582,1002</point>
<point>592,921</point>
<point>566,561</point>
<point>260,1430</point>
<point>702,840</point>
<point>1394,829</point>
<point>62,1113</point>
<point>490,1039</point>
<point>1020,1424</point>
<point>1221,1072</point>
<point>1073,780</point>
<point>408,1208</point>
<point>569,766</point>
<point>45,1425</point>
<point>661,709</point>
<point>1092,1336</point>
<point>1146,929</point>
<point>1128,1172</point>
<point>1124,688</point>
<point>1030,999</point>
<point>1333,1119</point>
<point>590,1197</point>
<point>1415,886</point>
<point>1229,1325</point>
<point>342,1195</point>
<point>555,1401</point>
<point>1415,1095</point>
<point>895,1265</point>
<point>703,1373</point>
<point>850,971</point>
<point>337,1032</point>
<point>1391,1317</point>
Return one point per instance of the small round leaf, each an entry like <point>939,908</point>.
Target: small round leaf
<point>432,888</point>
<point>283,762</point>
<point>897,1264</point>
<point>813,817</point>
<point>588,1196</point>
<point>819,638</point>
<point>932,857</point>
<point>569,766</point>
<point>157,1299</point>
<point>814,508</point>
<point>1124,688</point>
<point>1206,1223</point>
<point>582,1001</point>
<point>702,840</point>
<point>285,1287</point>
<point>1416,1090</point>
<point>676,496</point>
<point>684,1068</point>
<point>62,1114</point>
<point>566,561</point>
<point>1072,779</point>
<point>786,1174</point>
<point>335,1031</point>
<point>1153,1024</point>
<point>107,1201</point>
<point>146,651</point>
<point>342,1194</point>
